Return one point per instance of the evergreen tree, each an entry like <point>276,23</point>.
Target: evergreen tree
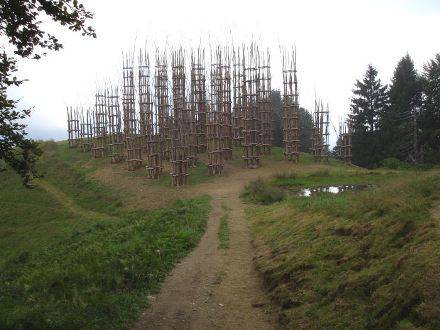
<point>369,101</point>
<point>430,111</point>
<point>305,130</point>
<point>399,122</point>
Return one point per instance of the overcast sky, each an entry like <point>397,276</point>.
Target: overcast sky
<point>335,41</point>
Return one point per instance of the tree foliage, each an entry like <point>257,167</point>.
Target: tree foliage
<point>398,123</point>
<point>370,99</point>
<point>402,122</point>
<point>430,111</point>
<point>21,23</point>
<point>369,102</point>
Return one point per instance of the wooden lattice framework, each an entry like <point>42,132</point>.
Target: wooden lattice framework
<point>214,120</point>
<point>198,97</point>
<point>133,139</point>
<point>175,120</point>
<point>264,101</point>
<point>179,150</point>
<point>148,120</point>
<point>343,145</point>
<point>162,98</point>
<point>115,135</point>
<point>73,127</point>
<point>99,144</point>
<point>145,101</point>
<point>86,130</point>
<point>290,116</point>
<point>224,98</point>
<point>320,133</point>
<point>237,108</point>
<point>251,121</point>
<point>189,129</point>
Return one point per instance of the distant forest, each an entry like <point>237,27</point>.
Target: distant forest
<point>399,122</point>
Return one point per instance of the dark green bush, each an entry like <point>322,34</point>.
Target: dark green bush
<point>261,192</point>
<point>393,163</point>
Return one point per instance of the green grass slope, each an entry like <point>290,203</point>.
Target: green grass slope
<point>90,265</point>
<point>368,259</point>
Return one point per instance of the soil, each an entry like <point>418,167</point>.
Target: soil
<point>211,287</point>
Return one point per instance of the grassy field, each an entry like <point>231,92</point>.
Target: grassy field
<point>367,259</point>
<point>73,256</point>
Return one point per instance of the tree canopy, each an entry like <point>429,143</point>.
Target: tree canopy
<point>402,121</point>
<point>398,123</point>
<point>369,102</point>
<point>430,111</point>
<point>21,23</point>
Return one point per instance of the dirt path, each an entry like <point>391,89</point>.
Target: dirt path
<point>213,288</point>
<point>66,201</point>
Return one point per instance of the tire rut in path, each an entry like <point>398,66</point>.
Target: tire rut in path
<point>213,288</point>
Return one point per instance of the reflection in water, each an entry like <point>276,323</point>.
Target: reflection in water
<point>308,192</point>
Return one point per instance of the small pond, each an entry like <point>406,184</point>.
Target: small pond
<point>309,192</point>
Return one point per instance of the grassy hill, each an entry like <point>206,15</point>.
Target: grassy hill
<point>76,253</point>
<point>366,259</point>
<point>72,256</point>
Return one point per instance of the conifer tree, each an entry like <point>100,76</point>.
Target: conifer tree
<point>430,111</point>
<point>399,124</point>
<point>369,102</point>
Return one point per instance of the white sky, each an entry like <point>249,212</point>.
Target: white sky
<point>335,41</point>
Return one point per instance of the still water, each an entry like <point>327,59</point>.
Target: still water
<point>308,192</point>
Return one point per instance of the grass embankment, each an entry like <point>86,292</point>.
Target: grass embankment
<point>65,269</point>
<point>368,259</point>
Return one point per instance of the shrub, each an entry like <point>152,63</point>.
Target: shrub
<point>393,163</point>
<point>261,192</point>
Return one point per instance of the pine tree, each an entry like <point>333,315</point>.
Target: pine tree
<point>305,130</point>
<point>399,123</point>
<point>369,101</point>
<point>430,111</point>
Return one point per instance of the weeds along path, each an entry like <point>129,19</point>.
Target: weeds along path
<point>67,202</point>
